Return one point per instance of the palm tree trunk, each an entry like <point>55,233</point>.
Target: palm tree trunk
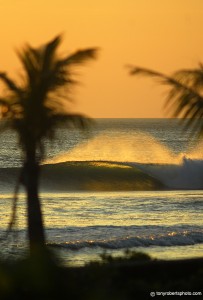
<point>35,221</point>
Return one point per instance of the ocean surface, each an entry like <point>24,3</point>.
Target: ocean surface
<point>123,184</point>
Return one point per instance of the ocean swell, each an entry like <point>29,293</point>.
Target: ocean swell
<point>170,239</point>
<point>113,176</point>
<point>85,176</point>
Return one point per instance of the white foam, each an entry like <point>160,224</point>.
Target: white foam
<point>186,175</point>
<point>144,151</point>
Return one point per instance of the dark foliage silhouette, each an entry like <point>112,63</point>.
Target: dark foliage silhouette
<point>185,94</point>
<point>35,108</point>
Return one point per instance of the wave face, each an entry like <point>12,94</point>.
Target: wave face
<point>154,163</point>
<point>86,176</point>
<point>156,238</point>
<point>99,176</point>
<point>113,176</point>
<point>119,155</point>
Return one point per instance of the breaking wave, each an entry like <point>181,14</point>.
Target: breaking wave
<point>109,175</point>
<point>108,162</point>
<point>186,175</point>
<point>169,239</point>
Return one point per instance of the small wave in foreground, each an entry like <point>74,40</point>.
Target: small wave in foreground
<point>170,239</point>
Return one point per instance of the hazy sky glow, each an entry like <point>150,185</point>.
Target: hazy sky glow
<point>160,34</point>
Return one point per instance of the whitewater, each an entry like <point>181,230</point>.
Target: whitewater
<point>124,184</point>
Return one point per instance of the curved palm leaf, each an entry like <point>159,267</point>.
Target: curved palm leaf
<point>11,85</point>
<point>191,78</point>
<point>185,97</point>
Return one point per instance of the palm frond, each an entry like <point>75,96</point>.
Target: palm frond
<point>164,79</point>
<point>191,78</point>
<point>71,120</point>
<point>79,57</point>
<point>68,121</point>
<point>50,53</point>
<point>184,97</point>
<point>29,59</point>
<point>10,84</point>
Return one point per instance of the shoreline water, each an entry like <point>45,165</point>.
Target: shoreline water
<point>80,226</point>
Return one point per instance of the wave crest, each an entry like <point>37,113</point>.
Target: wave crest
<point>170,239</point>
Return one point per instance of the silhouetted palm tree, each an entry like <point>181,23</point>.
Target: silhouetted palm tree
<point>34,109</point>
<point>185,94</point>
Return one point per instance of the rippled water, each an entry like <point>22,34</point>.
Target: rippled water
<point>82,224</point>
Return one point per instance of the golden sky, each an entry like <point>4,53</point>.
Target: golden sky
<point>165,35</point>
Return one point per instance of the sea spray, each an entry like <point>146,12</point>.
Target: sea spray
<point>186,175</point>
<point>139,147</point>
<point>88,166</point>
<point>142,151</point>
<point>155,219</point>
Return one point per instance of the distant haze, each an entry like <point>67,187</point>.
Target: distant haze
<point>159,34</point>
